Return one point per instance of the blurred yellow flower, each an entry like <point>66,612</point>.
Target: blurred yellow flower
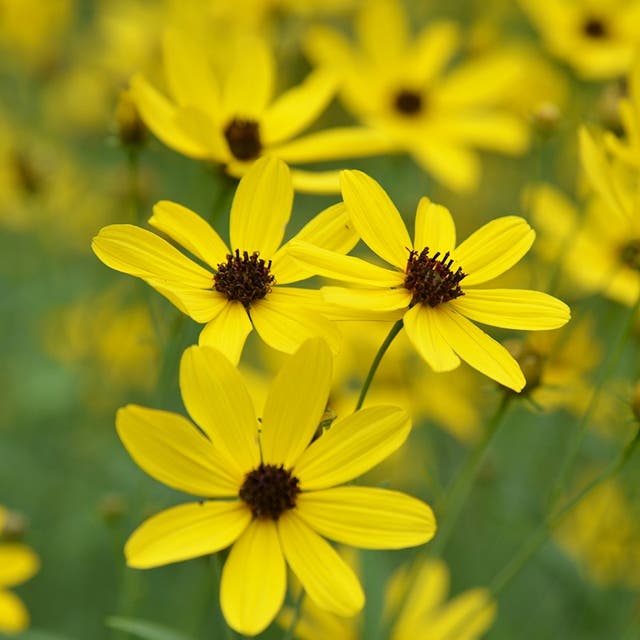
<point>416,601</point>
<point>402,88</point>
<point>229,114</point>
<point>243,289</point>
<point>598,38</point>
<point>18,563</point>
<point>627,147</point>
<point>432,283</point>
<point>268,490</point>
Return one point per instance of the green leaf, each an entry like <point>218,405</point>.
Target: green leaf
<point>144,630</point>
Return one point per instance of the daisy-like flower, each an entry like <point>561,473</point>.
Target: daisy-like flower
<point>18,563</point>
<point>432,284</point>
<point>241,288</point>
<point>627,148</point>
<point>401,87</point>
<point>230,116</point>
<point>267,489</point>
<point>598,38</point>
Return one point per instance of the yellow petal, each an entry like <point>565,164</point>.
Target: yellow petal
<point>368,299</point>
<point>325,576</point>
<point>432,50</point>
<point>14,616</point>
<point>216,398</point>
<point>331,229</point>
<point>285,327</point>
<point>376,218</point>
<point>318,182</point>
<point>352,446</point>
<point>479,350</point>
<point>455,166</point>
<point>160,116</point>
<point>423,327</point>
<point>295,404</point>
<point>435,228</point>
<point>203,305</point>
<point>298,108</point>
<point>189,76</point>
<point>466,617</point>
<point>367,517</point>
<point>186,531</point>
<point>347,268</point>
<point>382,30</point>
<point>141,253</point>
<point>249,82</point>
<point>493,249</point>
<point>17,564</point>
<point>493,131</point>
<point>172,450</point>
<point>254,579</point>
<point>189,230</point>
<point>228,331</point>
<point>513,308</point>
<point>261,208</point>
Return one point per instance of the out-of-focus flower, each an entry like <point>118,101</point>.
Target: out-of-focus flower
<point>243,289</point>
<point>432,282</point>
<point>229,114</point>
<point>18,563</point>
<point>402,88</point>
<point>597,38</point>
<point>603,536</point>
<point>268,490</point>
<point>416,600</point>
<point>627,147</point>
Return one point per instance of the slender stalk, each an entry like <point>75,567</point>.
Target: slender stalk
<point>457,495</point>
<point>393,332</point>
<point>135,195</point>
<point>297,610</point>
<point>217,568</point>
<point>580,430</point>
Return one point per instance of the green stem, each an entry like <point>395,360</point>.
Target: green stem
<point>393,332</point>
<point>135,196</point>
<point>217,568</point>
<point>457,495</point>
<point>297,610</point>
<point>581,427</point>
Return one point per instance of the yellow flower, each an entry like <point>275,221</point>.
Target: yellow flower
<point>231,117</point>
<point>17,564</point>
<point>598,38</point>
<point>432,285</point>
<point>267,491</point>
<point>242,290</point>
<point>416,598</point>
<point>627,148</point>
<point>401,87</point>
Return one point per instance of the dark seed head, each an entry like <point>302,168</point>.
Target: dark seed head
<point>244,278</point>
<point>243,138</point>
<point>269,491</point>
<point>408,102</point>
<point>431,280</point>
<point>630,254</point>
<point>595,28</point>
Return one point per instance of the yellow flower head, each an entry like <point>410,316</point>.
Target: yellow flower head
<point>401,87</point>
<point>18,563</point>
<point>598,38</point>
<point>240,289</point>
<point>267,489</point>
<point>432,282</point>
<point>230,116</point>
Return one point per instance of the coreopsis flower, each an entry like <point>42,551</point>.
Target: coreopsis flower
<point>241,288</point>
<point>598,39</point>
<point>230,116</point>
<point>18,563</point>
<point>432,283</point>
<point>627,147</point>
<point>266,488</point>
<point>402,87</point>
<point>416,599</point>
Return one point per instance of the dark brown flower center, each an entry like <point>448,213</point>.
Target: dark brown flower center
<point>431,279</point>
<point>244,278</point>
<point>595,28</point>
<point>630,254</point>
<point>269,491</point>
<point>243,138</point>
<point>408,102</point>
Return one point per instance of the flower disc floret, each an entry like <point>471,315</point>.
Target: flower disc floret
<point>245,278</point>
<point>595,28</point>
<point>243,138</point>
<point>630,254</point>
<point>269,491</point>
<point>408,102</point>
<point>431,280</point>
